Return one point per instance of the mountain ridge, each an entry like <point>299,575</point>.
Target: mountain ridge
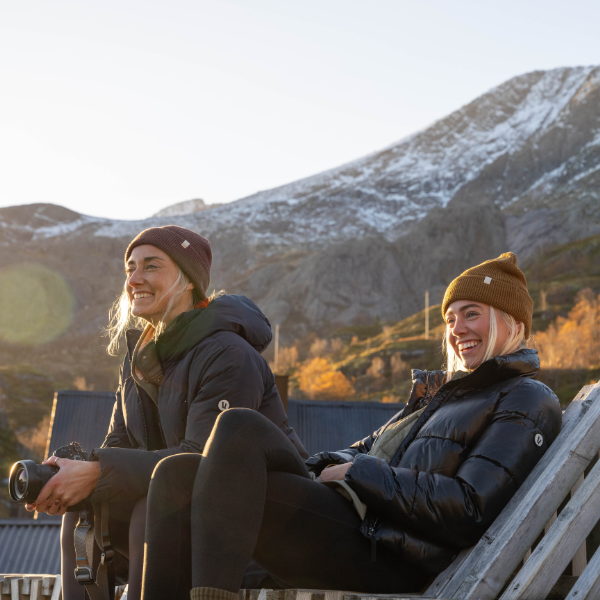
<point>515,169</point>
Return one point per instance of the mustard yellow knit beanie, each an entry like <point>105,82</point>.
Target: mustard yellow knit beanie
<point>499,283</point>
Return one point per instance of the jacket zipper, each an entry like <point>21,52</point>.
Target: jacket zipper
<point>371,534</point>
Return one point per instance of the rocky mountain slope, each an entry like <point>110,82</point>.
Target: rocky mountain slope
<point>517,168</point>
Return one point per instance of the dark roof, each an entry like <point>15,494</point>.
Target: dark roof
<point>80,417</point>
<point>336,425</point>
<point>29,546</point>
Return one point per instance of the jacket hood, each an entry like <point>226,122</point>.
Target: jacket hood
<point>231,313</point>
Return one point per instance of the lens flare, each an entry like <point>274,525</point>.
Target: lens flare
<point>36,304</point>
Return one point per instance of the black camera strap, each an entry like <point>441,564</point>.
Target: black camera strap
<point>92,539</point>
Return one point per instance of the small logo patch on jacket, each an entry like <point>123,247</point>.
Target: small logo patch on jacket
<point>224,405</point>
<point>539,440</point>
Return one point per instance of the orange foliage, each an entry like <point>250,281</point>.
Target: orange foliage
<point>319,380</point>
<point>573,342</point>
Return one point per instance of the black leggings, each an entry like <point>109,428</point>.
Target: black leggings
<point>253,498</point>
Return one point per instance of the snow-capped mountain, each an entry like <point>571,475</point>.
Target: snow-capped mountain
<point>518,168</point>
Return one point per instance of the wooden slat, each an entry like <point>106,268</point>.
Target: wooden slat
<point>34,591</point>
<point>56,590</point>
<point>486,569</point>
<point>579,562</point>
<point>554,552</point>
<point>588,584</point>
<point>14,588</point>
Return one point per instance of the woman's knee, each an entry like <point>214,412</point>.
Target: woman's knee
<point>241,424</point>
<point>172,482</point>
<point>169,471</point>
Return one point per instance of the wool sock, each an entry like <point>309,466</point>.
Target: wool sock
<point>209,593</point>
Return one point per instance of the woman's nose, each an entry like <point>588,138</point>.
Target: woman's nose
<point>135,279</point>
<point>459,328</point>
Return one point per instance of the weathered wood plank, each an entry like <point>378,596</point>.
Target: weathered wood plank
<point>34,591</point>
<point>579,562</point>
<point>554,552</point>
<point>588,584</point>
<point>14,587</point>
<point>503,546</point>
<point>47,582</point>
<point>56,590</point>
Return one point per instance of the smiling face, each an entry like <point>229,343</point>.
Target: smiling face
<point>151,275</point>
<point>468,331</point>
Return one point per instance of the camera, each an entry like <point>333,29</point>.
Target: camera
<point>27,478</point>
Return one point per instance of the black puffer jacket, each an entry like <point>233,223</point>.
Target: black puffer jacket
<point>207,355</point>
<point>467,454</point>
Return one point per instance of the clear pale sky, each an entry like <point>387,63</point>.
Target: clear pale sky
<point>122,107</point>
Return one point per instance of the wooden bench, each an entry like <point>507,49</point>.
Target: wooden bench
<point>507,563</point>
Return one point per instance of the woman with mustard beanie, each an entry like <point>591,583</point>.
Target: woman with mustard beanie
<point>388,513</point>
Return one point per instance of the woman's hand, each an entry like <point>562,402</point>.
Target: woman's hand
<point>335,472</point>
<point>74,482</point>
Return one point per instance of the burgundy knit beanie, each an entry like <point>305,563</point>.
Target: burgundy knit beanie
<point>188,249</point>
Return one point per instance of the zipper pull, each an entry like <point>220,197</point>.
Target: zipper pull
<point>373,544</point>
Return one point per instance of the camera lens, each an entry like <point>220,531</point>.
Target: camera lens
<point>22,482</point>
<point>27,479</point>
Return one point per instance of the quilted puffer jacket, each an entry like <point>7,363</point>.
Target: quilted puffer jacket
<point>467,454</point>
<point>207,355</point>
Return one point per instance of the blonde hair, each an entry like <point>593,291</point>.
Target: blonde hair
<point>515,341</point>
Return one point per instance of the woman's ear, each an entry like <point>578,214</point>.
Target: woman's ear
<point>190,286</point>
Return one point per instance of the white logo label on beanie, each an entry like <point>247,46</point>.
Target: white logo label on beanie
<point>539,440</point>
<point>223,404</point>
<point>487,280</point>
<point>185,243</point>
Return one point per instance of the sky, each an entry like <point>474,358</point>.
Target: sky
<point>120,108</point>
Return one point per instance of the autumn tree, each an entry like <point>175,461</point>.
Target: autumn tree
<point>319,380</point>
<point>573,342</point>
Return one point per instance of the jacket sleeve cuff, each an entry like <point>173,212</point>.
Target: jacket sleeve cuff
<point>368,477</point>
<point>124,474</point>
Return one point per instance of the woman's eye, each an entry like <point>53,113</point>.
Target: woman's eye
<point>471,313</point>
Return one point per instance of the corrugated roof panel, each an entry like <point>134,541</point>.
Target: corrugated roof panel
<point>28,546</point>
<point>323,425</point>
<point>80,417</point>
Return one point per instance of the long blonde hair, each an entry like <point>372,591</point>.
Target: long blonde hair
<point>515,341</point>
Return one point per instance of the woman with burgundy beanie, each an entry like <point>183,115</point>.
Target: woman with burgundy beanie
<point>189,358</point>
<point>388,513</point>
